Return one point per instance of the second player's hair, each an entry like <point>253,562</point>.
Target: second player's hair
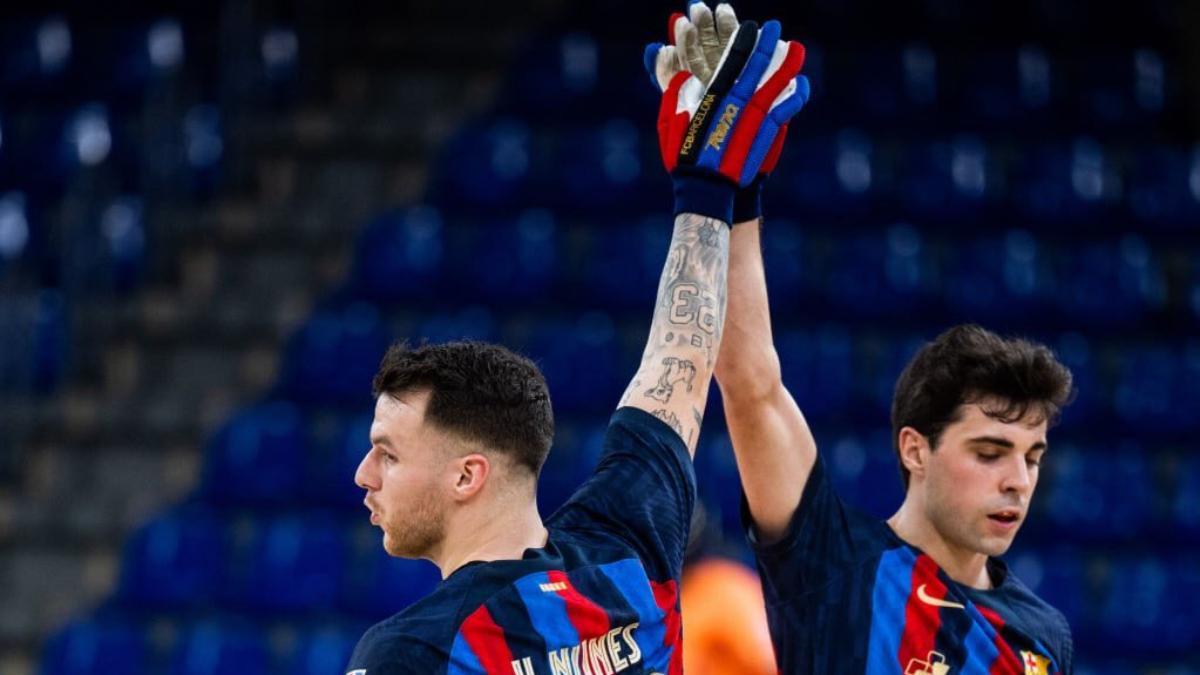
<point>967,364</point>
<point>478,391</point>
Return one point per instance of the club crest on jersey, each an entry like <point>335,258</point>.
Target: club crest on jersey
<point>717,137</point>
<point>934,664</point>
<point>1035,664</point>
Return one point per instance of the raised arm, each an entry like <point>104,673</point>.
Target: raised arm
<point>685,333</point>
<point>772,444</point>
<point>774,449</point>
<point>713,136</point>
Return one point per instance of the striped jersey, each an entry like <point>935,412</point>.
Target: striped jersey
<point>844,594</point>
<point>600,598</point>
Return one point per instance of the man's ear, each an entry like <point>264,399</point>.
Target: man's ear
<point>473,471</point>
<point>914,451</point>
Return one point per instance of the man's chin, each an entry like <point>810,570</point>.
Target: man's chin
<point>394,547</point>
<point>995,547</point>
<point>400,547</point>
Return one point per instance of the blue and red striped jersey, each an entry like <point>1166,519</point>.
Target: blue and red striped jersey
<point>602,596</point>
<point>844,594</point>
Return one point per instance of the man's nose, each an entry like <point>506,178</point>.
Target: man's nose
<point>1017,478</point>
<point>364,476</point>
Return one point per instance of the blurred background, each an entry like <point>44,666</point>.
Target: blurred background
<point>215,216</point>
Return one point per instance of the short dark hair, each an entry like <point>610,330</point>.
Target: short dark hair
<point>966,364</point>
<point>478,391</point>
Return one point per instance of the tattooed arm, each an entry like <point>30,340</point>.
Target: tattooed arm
<point>685,333</point>
<point>774,448</point>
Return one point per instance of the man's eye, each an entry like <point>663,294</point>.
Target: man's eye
<point>1033,461</point>
<point>988,458</point>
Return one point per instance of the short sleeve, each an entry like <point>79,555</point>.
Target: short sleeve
<point>1067,650</point>
<point>642,492</point>
<point>383,652</point>
<point>823,538</point>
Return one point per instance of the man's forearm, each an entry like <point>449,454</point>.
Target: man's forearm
<point>772,444</point>
<point>748,366</point>
<point>686,330</point>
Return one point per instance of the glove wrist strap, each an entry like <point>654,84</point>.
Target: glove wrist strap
<point>703,195</point>
<point>747,201</point>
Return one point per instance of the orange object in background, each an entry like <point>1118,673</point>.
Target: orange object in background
<point>724,621</point>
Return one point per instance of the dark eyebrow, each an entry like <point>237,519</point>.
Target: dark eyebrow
<point>1005,443</point>
<point>380,440</point>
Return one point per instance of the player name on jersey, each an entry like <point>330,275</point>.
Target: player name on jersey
<point>611,653</point>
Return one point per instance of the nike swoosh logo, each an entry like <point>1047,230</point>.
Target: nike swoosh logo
<point>936,602</point>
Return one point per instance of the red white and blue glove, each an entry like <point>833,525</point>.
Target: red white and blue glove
<point>743,124</point>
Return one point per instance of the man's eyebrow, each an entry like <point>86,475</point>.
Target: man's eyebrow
<point>1004,442</point>
<point>381,440</point>
<point>992,440</point>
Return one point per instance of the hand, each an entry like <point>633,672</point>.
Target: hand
<point>698,45</point>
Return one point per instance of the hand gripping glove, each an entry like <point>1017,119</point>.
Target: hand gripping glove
<point>698,42</point>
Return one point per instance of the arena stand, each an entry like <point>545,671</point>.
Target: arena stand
<point>1032,167</point>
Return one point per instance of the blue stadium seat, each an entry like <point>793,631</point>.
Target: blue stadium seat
<point>786,249</point>
<point>94,647</point>
<point>320,651</point>
<point>944,181</point>
<point>333,358</point>
<point>619,267</point>
<point>865,470</point>
<point>1185,496</point>
<point>1105,283</point>
<point>174,561</point>
<point>607,168</point>
<point>257,458</point>
<point>1156,385</point>
<point>123,227</point>
<point>572,459</point>
<point>975,279</point>
<point>487,167</point>
<point>1057,575</point>
<point>221,648</point>
<point>472,322</point>
<point>1121,89</point>
<point>400,254</point>
<point>51,340</point>
<point>1058,185</point>
<point>572,76</point>
<point>35,158</point>
<point>512,260</point>
<point>1002,87</point>
<point>1148,606</point>
<point>376,585</point>
<point>894,87</point>
<point>1091,405</point>
<point>337,445</point>
<point>873,275</point>
<point>1160,193</point>
<point>286,563</point>
<point>1097,493</point>
<point>581,359</point>
<point>824,176</point>
<point>818,368</point>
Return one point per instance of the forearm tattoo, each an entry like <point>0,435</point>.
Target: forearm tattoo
<point>689,316</point>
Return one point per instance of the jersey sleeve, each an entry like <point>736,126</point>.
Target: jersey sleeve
<point>384,652</point>
<point>642,492</point>
<point>823,538</point>
<point>1066,647</point>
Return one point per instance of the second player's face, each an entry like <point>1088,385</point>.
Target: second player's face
<point>981,479</point>
<point>402,474</point>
